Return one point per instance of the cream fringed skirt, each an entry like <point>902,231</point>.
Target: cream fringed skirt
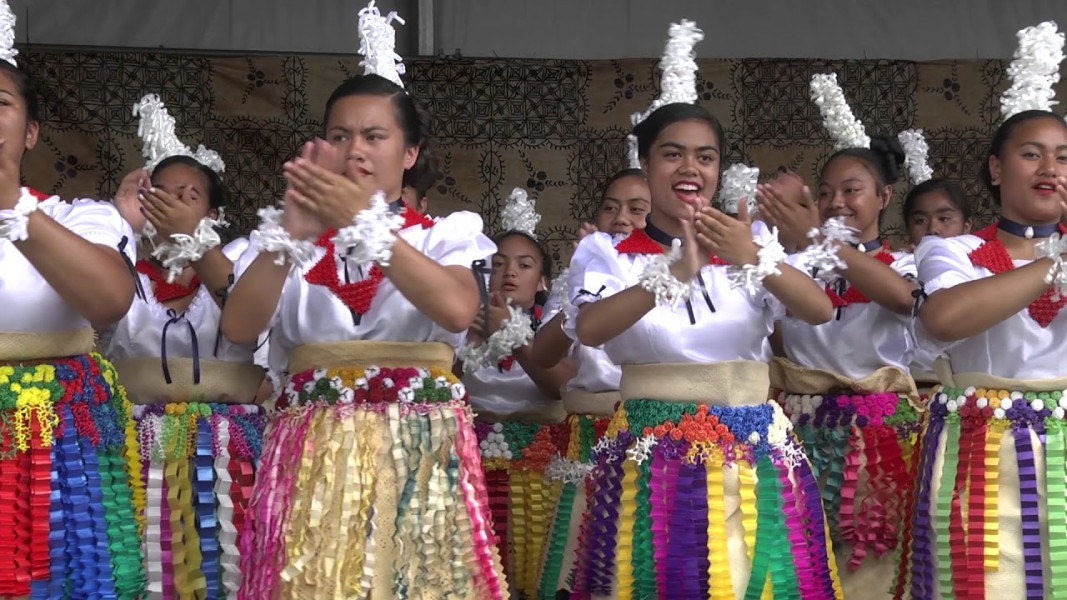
<point>700,491</point>
<point>371,482</point>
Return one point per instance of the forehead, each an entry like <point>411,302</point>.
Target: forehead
<point>690,132</point>
<point>844,168</point>
<point>178,175</point>
<point>934,200</point>
<point>362,111</point>
<point>627,187</point>
<point>517,245</point>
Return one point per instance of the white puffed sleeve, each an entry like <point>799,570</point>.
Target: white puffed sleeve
<point>454,240</point>
<point>97,222</point>
<point>597,270</point>
<point>945,262</point>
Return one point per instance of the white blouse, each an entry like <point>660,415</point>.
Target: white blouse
<point>140,333</point>
<point>729,324</point>
<point>309,313</point>
<point>503,391</point>
<point>30,304</point>
<point>595,370</point>
<point>1017,347</point>
<point>858,340</point>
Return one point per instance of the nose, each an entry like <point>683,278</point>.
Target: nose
<point>837,199</point>
<point>1048,165</point>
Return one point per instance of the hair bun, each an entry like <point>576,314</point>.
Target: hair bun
<point>891,154</point>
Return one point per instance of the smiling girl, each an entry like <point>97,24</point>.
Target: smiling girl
<point>695,425</point>
<point>998,424</point>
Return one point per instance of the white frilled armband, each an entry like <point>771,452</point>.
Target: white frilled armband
<point>371,236</point>
<point>14,222</point>
<point>515,332</point>
<point>771,254</point>
<point>658,279</point>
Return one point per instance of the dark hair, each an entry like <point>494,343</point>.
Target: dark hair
<point>648,130</point>
<point>25,89</point>
<point>1005,131</point>
<point>546,262</point>
<point>621,175</point>
<point>952,190</point>
<point>414,121</point>
<point>884,159</point>
<point>216,192</point>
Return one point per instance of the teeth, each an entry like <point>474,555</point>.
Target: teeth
<point>688,187</point>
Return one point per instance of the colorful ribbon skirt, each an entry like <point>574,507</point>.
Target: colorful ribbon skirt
<point>991,507</point>
<point>534,473</point>
<point>371,485</point>
<point>67,525</point>
<point>696,501</point>
<point>862,452</point>
<point>197,462</point>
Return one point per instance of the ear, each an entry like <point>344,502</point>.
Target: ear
<point>33,128</point>
<point>967,226</point>
<point>542,284</point>
<point>213,213</point>
<point>411,155</point>
<point>887,196</point>
<point>644,164</point>
<point>994,169</point>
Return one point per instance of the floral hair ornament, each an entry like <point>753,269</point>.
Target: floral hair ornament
<point>739,183</point>
<point>1034,71</point>
<point>377,44</point>
<point>846,129</point>
<point>519,214</point>
<point>7,34</point>
<point>916,153</point>
<point>679,80</point>
<point>160,140</point>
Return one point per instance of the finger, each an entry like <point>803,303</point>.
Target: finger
<point>165,198</point>
<point>302,201</point>
<point>312,178</point>
<point>154,220</point>
<point>742,211</point>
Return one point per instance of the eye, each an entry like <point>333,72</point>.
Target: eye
<point>673,154</point>
<point>608,209</point>
<point>339,137</point>
<point>637,211</point>
<point>1030,154</point>
<point>707,159</point>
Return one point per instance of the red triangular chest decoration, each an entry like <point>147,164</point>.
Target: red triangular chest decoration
<point>41,196</point>
<point>994,256</point>
<point>638,242</point>
<point>357,295</point>
<point>166,291</point>
<point>853,296</point>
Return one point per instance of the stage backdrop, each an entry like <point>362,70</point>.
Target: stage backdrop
<point>554,127</point>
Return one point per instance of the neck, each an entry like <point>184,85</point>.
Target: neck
<point>657,225</point>
<point>1027,230</point>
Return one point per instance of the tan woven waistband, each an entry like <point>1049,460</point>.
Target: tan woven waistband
<point>357,354</point>
<point>597,404</point>
<point>16,346</point>
<point>726,383</point>
<point>795,379</point>
<point>550,412</point>
<point>993,382</point>
<point>220,381</point>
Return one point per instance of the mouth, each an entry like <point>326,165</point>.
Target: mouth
<point>509,287</point>
<point>620,229</point>
<point>1045,188</point>
<point>688,192</point>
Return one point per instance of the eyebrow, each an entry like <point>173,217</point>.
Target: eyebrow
<point>1043,146</point>
<point>682,147</point>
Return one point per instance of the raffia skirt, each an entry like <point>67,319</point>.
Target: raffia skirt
<point>199,438</point>
<point>67,526</point>
<point>371,482</point>
<point>700,491</point>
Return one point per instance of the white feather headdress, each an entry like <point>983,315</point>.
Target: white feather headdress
<point>7,34</point>
<point>1034,71</point>
<point>519,214</point>
<point>377,44</point>
<point>160,140</point>
<point>916,153</point>
<point>846,129</point>
<point>679,80</point>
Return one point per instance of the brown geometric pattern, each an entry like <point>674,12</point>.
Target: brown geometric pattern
<point>557,128</point>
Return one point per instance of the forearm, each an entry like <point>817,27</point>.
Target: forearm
<point>550,345</point>
<point>802,297</point>
<point>253,299</point>
<point>446,294</point>
<point>877,280</point>
<point>604,320</point>
<point>551,380</point>
<point>92,278</point>
<point>214,270</point>
<point>968,309</point>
